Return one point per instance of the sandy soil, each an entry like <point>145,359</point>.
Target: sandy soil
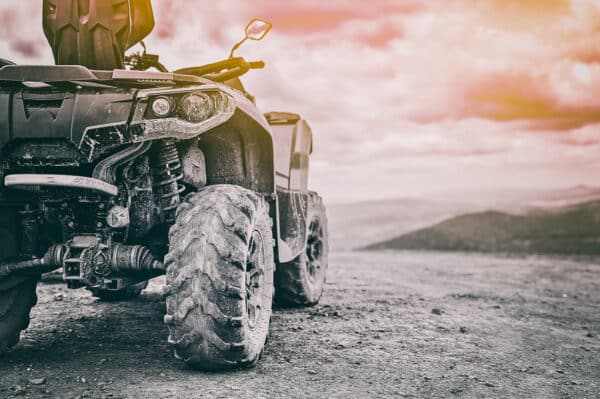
<point>403,324</point>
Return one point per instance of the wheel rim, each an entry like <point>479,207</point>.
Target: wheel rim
<point>254,279</point>
<point>314,250</point>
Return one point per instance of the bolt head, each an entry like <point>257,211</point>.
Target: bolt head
<point>118,217</point>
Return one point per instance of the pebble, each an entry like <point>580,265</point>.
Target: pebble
<point>312,372</point>
<point>37,381</point>
<point>463,329</point>
<point>437,311</point>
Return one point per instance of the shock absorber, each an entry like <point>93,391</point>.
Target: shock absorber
<point>30,229</point>
<point>167,176</point>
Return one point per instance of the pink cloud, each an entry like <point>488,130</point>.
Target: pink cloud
<point>409,92</point>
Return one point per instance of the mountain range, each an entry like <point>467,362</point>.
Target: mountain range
<point>573,229</point>
<point>374,223</point>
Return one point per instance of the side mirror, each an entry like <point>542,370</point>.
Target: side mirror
<point>256,29</point>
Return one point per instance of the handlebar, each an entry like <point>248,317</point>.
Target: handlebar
<point>222,70</point>
<point>256,64</point>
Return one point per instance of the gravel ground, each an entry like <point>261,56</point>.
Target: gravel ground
<point>396,324</point>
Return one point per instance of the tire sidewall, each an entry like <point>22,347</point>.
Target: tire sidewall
<point>314,289</point>
<point>259,333</point>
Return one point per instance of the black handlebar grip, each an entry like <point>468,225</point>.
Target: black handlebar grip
<point>257,64</point>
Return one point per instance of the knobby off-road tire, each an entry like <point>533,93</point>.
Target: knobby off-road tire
<point>220,278</point>
<point>300,282</point>
<point>17,297</point>
<point>127,293</point>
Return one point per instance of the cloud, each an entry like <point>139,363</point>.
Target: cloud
<point>403,96</point>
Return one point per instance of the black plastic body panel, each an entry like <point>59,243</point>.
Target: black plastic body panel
<point>51,113</point>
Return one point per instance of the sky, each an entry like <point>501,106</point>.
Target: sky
<point>406,98</point>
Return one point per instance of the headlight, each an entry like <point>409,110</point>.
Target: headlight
<point>180,113</point>
<point>196,107</point>
<point>161,107</point>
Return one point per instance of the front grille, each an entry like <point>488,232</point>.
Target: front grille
<point>35,153</point>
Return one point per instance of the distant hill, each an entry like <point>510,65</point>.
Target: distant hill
<point>569,230</point>
<point>359,224</point>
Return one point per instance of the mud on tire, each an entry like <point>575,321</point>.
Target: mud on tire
<point>300,282</point>
<point>220,278</point>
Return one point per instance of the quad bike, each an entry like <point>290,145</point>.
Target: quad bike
<point>118,174</point>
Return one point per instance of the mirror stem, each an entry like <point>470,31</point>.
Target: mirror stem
<point>237,45</point>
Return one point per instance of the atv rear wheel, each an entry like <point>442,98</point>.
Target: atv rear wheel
<point>220,278</point>
<point>300,282</point>
<point>125,294</point>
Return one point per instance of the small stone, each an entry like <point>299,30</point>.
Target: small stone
<point>312,372</point>
<point>58,297</point>
<point>18,390</point>
<point>463,329</point>
<point>437,311</point>
<point>37,381</point>
<point>83,380</point>
<point>590,335</point>
<point>102,361</point>
<point>489,384</point>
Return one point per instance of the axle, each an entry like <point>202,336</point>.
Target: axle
<point>87,259</point>
<point>52,260</point>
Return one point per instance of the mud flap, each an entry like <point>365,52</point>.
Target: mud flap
<point>293,208</point>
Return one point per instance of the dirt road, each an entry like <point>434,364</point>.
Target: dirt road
<point>403,324</point>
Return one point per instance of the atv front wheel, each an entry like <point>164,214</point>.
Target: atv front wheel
<point>17,297</point>
<point>220,278</point>
<point>300,282</point>
<point>125,294</point>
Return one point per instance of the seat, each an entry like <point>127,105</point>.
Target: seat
<point>95,33</point>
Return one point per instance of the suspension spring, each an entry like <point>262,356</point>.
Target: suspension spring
<point>167,177</point>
